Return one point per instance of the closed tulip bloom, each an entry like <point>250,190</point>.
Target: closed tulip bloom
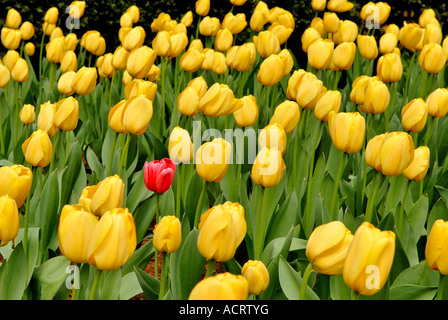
<point>219,100</point>
<point>241,58</point>
<point>238,2</point>
<point>133,38</point>
<point>86,197</point>
<point>426,16</point>
<point>5,76</point>
<point>396,152</point>
<point>330,100</point>
<point>85,80</point>
<point>433,34</point>
<point>266,43</point>
<point>213,159</point>
<point>188,102</point>
<point>196,43</point>
<point>432,59</point>
<point>377,97</point>
<point>318,5</point>
<point>17,180</point>
<point>435,253</point>
<point>273,136</point>
<point>271,70</point>
<point>45,119</point>
<point>113,241</point>
<point>91,40</point>
<point>221,230</point>
<point>115,117</point>
<point>359,87</point>
<point>11,38</point>
<point>137,114</point>
<point>281,32</point>
<point>126,20</point>
<point>162,44</point>
<point>30,49</point>
<point>414,115</point>
<point>51,16</point>
<point>55,50</point>
<point>48,28</point>
<point>71,41</point>
<point>101,47</point>
<point>179,42</point>
<point>10,59</point>
<point>76,225</point>
<point>180,147</point>
<point>219,65</point>
<point>418,168</point>
<point>327,247</point>
<point>126,77</point>
<point>257,276</point>
<point>120,58</point>
<point>139,87</point>
<point>154,73</point>
<point>288,61</point>
<point>268,168</point>
<point>411,36</point>
<point>57,33</point>
<point>388,42</point>
<point>69,62</point>
<point>38,149</point>
<point>13,19</point>
<point>389,68</point>
<point>247,115</point>
<point>104,66</point>
<point>339,5</point>
<point>344,55</point>
<point>348,32</point>
<point>9,220</point>
<point>199,84</point>
<point>260,16</point>
<point>331,22</point>
<point>77,9</point>
<point>187,19</point>
<point>380,8</point>
<point>320,54</point>
<point>207,64</point>
<point>167,234</point>
<point>373,152</point>
<point>347,130</point>
<point>437,102</point>
<point>209,26</point>
<point>235,23</point>
<point>134,12</point>
<point>305,88</point>
<point>367,46</point>
<point>370,247</point>
<point>108,195</point>
<point>223,40</point>
<point>191,60</point>
<point>27,114</point>
<point>318,24</point>
<point>158,175</point>
<point>140,61</point>
<point>202,7</point>
<point>27,30</point>
<point>287,114</point>
<point>308,37</point>
<point>67,114</point>
<point>223,286</point>
<point>65,83</point>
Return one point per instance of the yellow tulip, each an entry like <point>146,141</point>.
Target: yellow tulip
<point>414,115</point>
<point>10,59</point>
<point>187,19</point>
<point>223,286</point>
<point>304,88</point>
<point>433,34</point>
<point>359,87</point>
<point>108,195</point>
<point>257,276</point>
<point>104,66</point>
<point>330,100</point>
<point>318,24</point>
<point>308,37</point>
<point>247,115</point>
<point>76,225</point>
<point>191,60</point>
<point>199,84</point>
<point>238,2</point>
<point>437,102</point>
<point>223,40</point>
<point>20,72</point>
<point>260,16</point>
<point>320,53</point>
<point>432,59</point>
<point>65,83</point>
<point>266,43</point>
<point>196,43</point>
<point>367,46</point>
<point>179,42</point>
<point>188,102</point>
<point>209,26</point>
<point>27,114</point>
<point>377,97</point>
<point>137,113</point>
<point>348,32</point>
<point>134,12</point>
<point>213,159</point>
<point>140,61</point>
<point>388,42</point>
<point>69,61</point>
<point>84,81</point>
<point>126,20</point>
<point>219,100</point>
<point>153,73</point>
<point>38,149</point>
<point>287,114</point>
<point>271,70</point>
<point>327,247</point>
<point>344,55</point>
<point>5,76</point>
<point>419,166</point>
<point>435,252</point>
<point>235,23</point>
<point>45,119</point>
<point>339,5</point>
<point>426,16</point>
<point>318,5</point>
<point>371,250</point>
<point>219,65</point>
<point>161,44</point>
<point>13,19</point>
<point>115,117</point>
<point>331,22</point>
<point>268,168</point>
<point>17,180</point>
<point>167,234</point>
<point>180,147</point>
<point>27,30</point>
<point>411,36</point>
<point>86,197</point>
<point>202,7</point>
<point>113,241</point>
<point>51,16</point>
<point>347,130</point>
<point>120,58</point>
<point>273,136</point>
<point>67,114</point>
<point>77,9</point>
<point>9,220</point>
<point>139,87</point>
<point>241,58</point>
<point>281,32</point>
<point>389,68</point>
<point>133,38</point>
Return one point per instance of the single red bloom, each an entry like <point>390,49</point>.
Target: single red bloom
<point>158,175</point>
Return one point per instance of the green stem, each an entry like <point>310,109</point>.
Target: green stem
<point>124,155</point>
<point>2,139</point>
<point>95,284</point>
<point>163,276</point>
<point>67,149</point>
<point>259,236</point>
<point>429,130</point>
<point>355,295</point>
<point>401,216</point>
<point>408,76</point>
<point>442,285</point>
<point>163,74</point>
<point>58,135</point>
<point>112,152</point>
<point>306,275</point>
<point>52,75</point>
<point>377,182</point>
<point>199,206</point>
<point>334,200</point>
<point>27,218</point>
<point>311,169</point>
<point>210,268</point>
<point>40,54</point>
<point>179,168</point>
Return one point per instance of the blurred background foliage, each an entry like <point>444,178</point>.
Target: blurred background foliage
<point>104,16</point>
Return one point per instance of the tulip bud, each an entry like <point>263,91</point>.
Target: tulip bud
<point>27,114</point>
<point>207,64</point>
<point>287,114</point>
<point>113,241</point>
<point>380,10</point>
<point>347,130</point>
<point>257,276</point>
<point>126,77</point>
<point>187,19</point>
<point>104,66</point>
<point>281,32</point>
<point>308,37</point>
<point>367,46</point>
<point>76,225</point>
<point>139,87</point>
<point>86,197</point>
<point>69,62</point>
<point>223,286</point>
<point>247,115</point>
<point>179,42</point>
<point>199,84</point>
<point>202,7</point>
<point>344,55</point>
<point>11,38</point>
<point>266,43</point>
<point>388,42</point>
<point>445,46</point>
<point>17,181</point>
<point>48,28</point>
<point>162,44</point>
<point>320,53</point>
<point>27,30</point>
<point>288,62</point>
<point>241,58</point>
<point>154,73</point>
<point>108,195</point>
<point>158,175</point>
<point>85,80</point>
<point>140,61</point>
<point>219,63</point>
<point>213,159</point>
<point>30,49</point>
<point>57,33</point>
<point>167,234</point>
<point>126,20</point>
<point>45,119</point>
<point>268,168</point>
<point>9,220</point>
<point>13,19</point>
<point>55,50</point>
<point>389,68</point>
<point>191,60</point>
<point>348,32</point>
<point>5,76</point>
<point>77,9</point>
<point>331,22</point>
<point>180,147</point>
<point>51,16</point>
<point>419,166</point>
<point>65,83</point>
<point>226,238</point>
<point>120,58</point>
<point>414,115</point>
<point>188,102</point>
<point>329,100</point>
<point>273,136</point>
<point>377,97</point>
<point>411,36</point>
<point>305,88</point>
<point>327,247</point>
<point>260,16</point>
<point>67,113</point>
<point>432,59</point>
<point>370,246</point>
<point>437,102</point>
<point>271,70</point>
<point>209,26</point>
<point>115,117</point>
<point>234,23</point>
<point>137,112</point>
<point>223,40</point>
<point>359,87</point>
<point>219,100</point>
<point>435,252</point>
<point>339,5</point>
<point>197,43</point>
<point>433,34</point>
<point>133,38</point>
<point>38,149</point>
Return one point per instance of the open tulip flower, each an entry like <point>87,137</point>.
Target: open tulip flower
<point>158,175</point>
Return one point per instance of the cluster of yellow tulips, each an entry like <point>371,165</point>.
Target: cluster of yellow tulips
<point>242,170</point>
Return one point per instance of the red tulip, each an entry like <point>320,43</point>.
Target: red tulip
<point>159,175</point>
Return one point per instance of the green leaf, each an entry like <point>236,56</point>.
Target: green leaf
<point>144,216</point>
<point>71,173</point>
<point>110,281</point>
<point>15,275</point>
<point>48,277</point>
<point>129,287</point>
<point>138,192</point>
<point>291,282</point>
<point>95,164</point>
<point>418,215</point>
<point>338,288</point>
<point>149,284</point>
<point>140,258</point>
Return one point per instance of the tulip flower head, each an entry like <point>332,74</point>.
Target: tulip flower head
<point>158,175</point>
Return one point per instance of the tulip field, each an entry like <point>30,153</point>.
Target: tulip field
<point>200,159</point>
